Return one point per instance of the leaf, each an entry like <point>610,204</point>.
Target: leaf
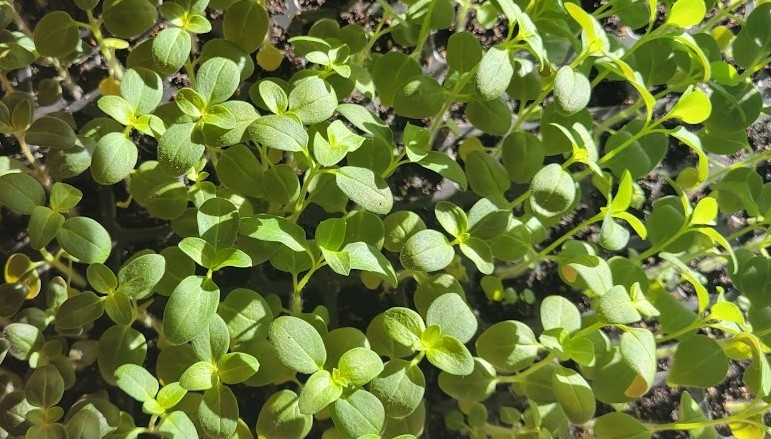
<point>280,417</point>
<point>313,100</point>
<point>444,166</point>
<point>191,306</point>
<point>137,382</point>
<point>56,35</point>
<point>588,271</point>
<point>218,222</point>
<point>358,413</point>
<point>64,197</point>
<point>177,424</point>
<point>170,395</point>
<point>217,79</point>
<point>698,362</point>
<point>297,344</point>
<point>24,339</point>
<point>218,412</point>
<point>177,152</point>
<point>279,132</point>
<point>426,250</point>
<point>119,308</point>
<point>138,278</point>
<point>486,175</point>
<point>128,18</point>
<point>199,250</point>
<point>142,89</point>
<point>21,193</point>
<point>464,52</point>
<point>318,392</point>
<point>238,169</point>
<point>246,314</point>
<point>79,310</point>
<point>360,365</point>
<point>559,312</point>
<point>480,254</point>
<point>477,386</point>
<point>638,349</point>
<point>274,96</point>
<point>52,132</point>
<point>509,345</point>
<point>617,425</point>
<point>493,116</point>
<point>246,23</point>
<point>365,188</point>
<point>45,387</point>
<point>404,325</point>
<point>170,49</point>
<point>365,257</point>
<point>494,73</point>
<point>451,356</point>
<point>693,106</point>
<point>419,98</point>
<point>274,229</point>
<point>615,306</point>
<point>574,395</point>
<point>236,367</point>
<point>390,73</point>
<point>114,158</point>
<point>199,376</point>
<point>117,346</point>
<point>572,90</point>
<point>553,191</point>
<point>44,224</point>
<point>686,13</point>
<point>453,315</point>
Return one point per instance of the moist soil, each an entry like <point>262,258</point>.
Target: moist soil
<point>352,305</point>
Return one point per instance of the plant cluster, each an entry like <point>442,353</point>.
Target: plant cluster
<point>256,173</point>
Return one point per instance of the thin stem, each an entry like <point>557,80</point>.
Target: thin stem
<point>300,203</point>
<point>719,16</point>
<point>37,169</point>
<point>738,417</point>
<point>114,67</point>
<point>55,262</point>
<point>520,377</point>
<point>425,29</point>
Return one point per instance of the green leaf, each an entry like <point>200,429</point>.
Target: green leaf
<point>559,312</point>
<point>114,158</point>
<point>191,306</point>
<point>274,96</point>
<point>588,271</point>
<point>426,250</point>
<point>21,193</point>
<point>553,191</point>
<point>142,89</point>
<point>119,308</point>
<point>619,425</point>
<point>313,100</point>
<point>212,342</point>
<point>199,376</point>
<point>477,386</point>
<point>693,106</point>
<point>117,346</point>
<point>400,226</point>
<point>170,395</point>
<point>400,387</point>
<point>64,197</point>
<point>574,395</point>
<point>453,315</point>
<point>246,23</point>
<point>275,229</point>
<point>360,366</point>
<point>615,306</point>
<point>494,73</point>
<point>464,51</point>
<point>280,417</point>
<point>689,411</point>
<point>298,344</point>
<point>238,169</point>
<point>318,392</point>
<point>24,339</point>
<point>699,361</point>
<point>12,297</point>
<point>572,90</point>
<point>170,49</point>
<point>199,250</point>
<point>45,387</point>
<point>444,166</point>
<point>44,224</point>
<point>480,254</point>
<point>56,35</point>
<point>137,382</point>
<point>686,13</point>
<point>510,346</point>
<point>451,356</point>
<point>236,367</point>
<point>217,79</point>
<point>177,151</point>
<point>365,257</point>
<point>218,412</point>
<point>246,314</point>
<point>365,188</point>
<point>279,132</point>
<point>218,222</point>
<point>283,183</point>
<point>492,117</point>
<point>52,132</point>
<point>419,98</point>
<point>138,278</point>
<point>391,72</point>
<point>638,349</point>
<point>85,239</point>
<point>177,424</point>
<point>128,18</point>
<point>404,325</point>
<point>358,413</point>
<point>79,310</point>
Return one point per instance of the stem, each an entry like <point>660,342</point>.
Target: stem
<point>7,86</point>
<point>114,67</point>
<point>719,16</point>
<point>425,29</point>
<point>55,262</point>
<point>520,377</point>
<point>738,417</point>
<point>300,203</point>
<point>37,169</point>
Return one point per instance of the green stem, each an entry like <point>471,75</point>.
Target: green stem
<point>425,29</point>
<point>738,417</point>
<point>55,262</point>
<point>300,203</point>
<point>717,18</point>
<point>7,86</point>
<point>520,377</point>
<point>37,168</point>
<point>114,67</point>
